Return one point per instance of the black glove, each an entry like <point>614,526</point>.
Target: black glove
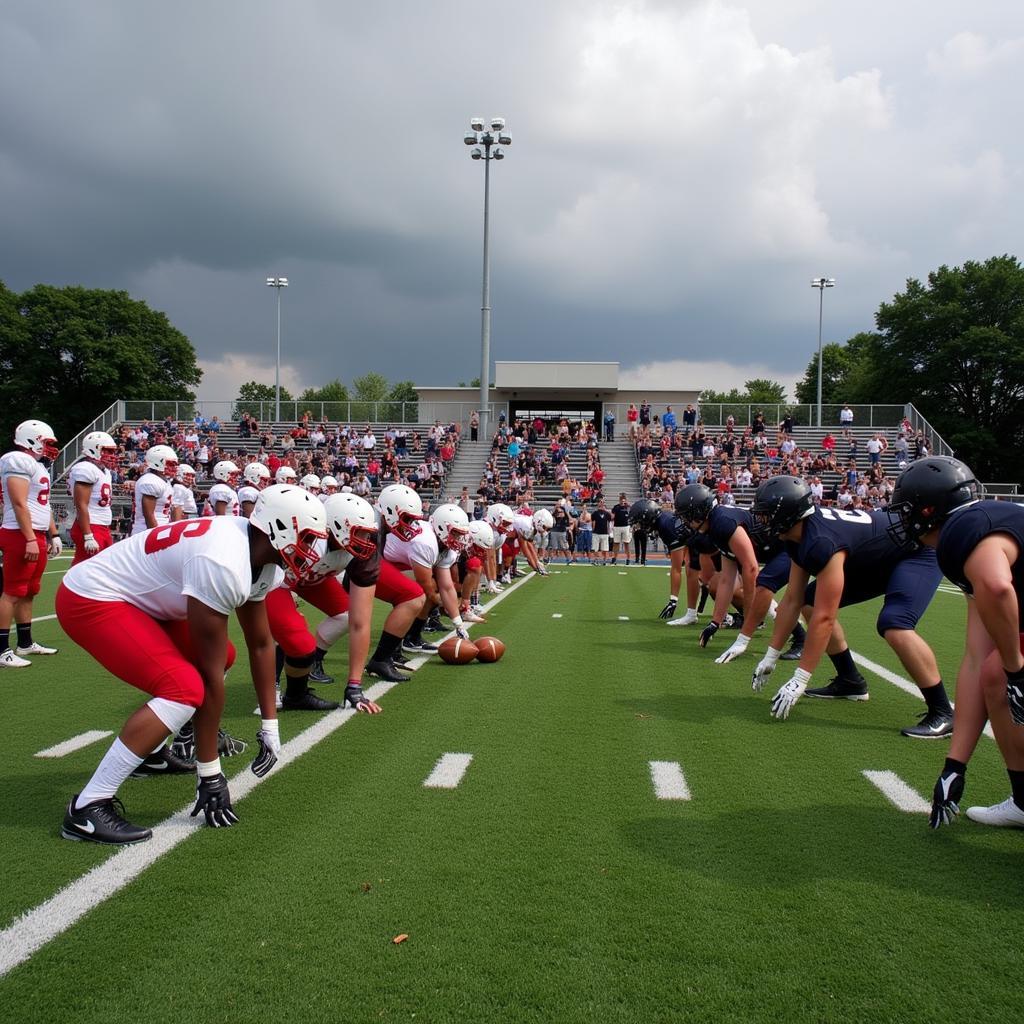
<point>707,633</point>
<point>704,592</point>
<point>670,609</point>
<point>948,792</point>
<point>214,800</point>
<point>184,743</point>
<point>1015,695</point>
<point>228,746</point>
<point>266,755</point>
<point>354,695</point>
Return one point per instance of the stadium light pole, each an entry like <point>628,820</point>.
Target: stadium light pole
<point>821,283</point>
<point>486,142</point>
<point>278,283</point>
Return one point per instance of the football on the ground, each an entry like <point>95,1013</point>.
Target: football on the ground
<point>456,651</point>
<point>489,648</point>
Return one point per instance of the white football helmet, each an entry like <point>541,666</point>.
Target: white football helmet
<point>227,473</point>
<point>294,521</point>
<point>162,461</point>
<point>256,475</point>
<point>500,516</point>
<point>286,475</point>
<point>328,485</point>
<point>451,525</point>
<point>186,475</point>
<point>543,520</point>
<point>481,536</point>
<point>352,522</point>
<point>402,510</point>
<point>99,446</point>
<point>311,482</point>
<point>37,437</point>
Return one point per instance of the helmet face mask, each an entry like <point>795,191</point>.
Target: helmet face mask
<point>451,525</point>
<point>352,524</point>
<point>161,459</point>
<point>500,517</point>
<point>227,473</point>
<point>780,503</point>
<point>401,508</point>
<point>186,475</point>
<point>100,447</point>
<point>694,504</point>
<point>36,436</point>
<point>294,521</point>
<point>481,536</point>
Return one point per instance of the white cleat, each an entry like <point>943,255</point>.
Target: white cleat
<point>10,660</point>
<point>1004,815</point>
<point>471,616</point>
<point>477,609</point>
<point>506,579</point>
<point>689,619</point>
<point>34,648</point>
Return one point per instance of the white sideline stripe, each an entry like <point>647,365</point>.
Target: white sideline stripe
<point>448,771</point>
<point>43,618</point>
<point>904,684</point>
<point>623,618</point>
<point>75,743</point>
<point>36,927</point>
<point>623,573</point>
<point>897,792</point>
<point>557,615</point>
<point>669,781</point>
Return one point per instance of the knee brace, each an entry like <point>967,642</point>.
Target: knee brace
<point>330,630</point>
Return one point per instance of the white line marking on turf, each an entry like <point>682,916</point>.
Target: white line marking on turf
<point>669,781</point>
<point>43,618</point>
<point>557,615</point>
<point>36,927</point>
<point>621,573</point>
<point>448,771</point>
<point>898,793</point>
<point>75,743</point>
<point>623,618</point>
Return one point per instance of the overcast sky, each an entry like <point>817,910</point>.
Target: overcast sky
<point>679,171</point>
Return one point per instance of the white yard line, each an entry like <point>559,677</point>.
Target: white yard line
<point>83,739</point>
<point>669,781</point>
<point>557,615</point>
<point>898,793</point>
<point>623,618</point>
<point>35,928</point>
<point>43,618</point>
<point>448,771</point>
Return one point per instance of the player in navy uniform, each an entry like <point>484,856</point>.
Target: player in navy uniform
<point>648,515</point>
<point>980,547</point>
<point>731,530</point>
<point>853,558</point>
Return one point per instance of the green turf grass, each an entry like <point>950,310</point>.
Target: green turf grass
<point>551,885</point>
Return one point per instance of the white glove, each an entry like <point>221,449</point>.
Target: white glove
<point>55,547</point>
<point>789,694</point>
<point>542,571</point>
<point>92,545</point>
<point>739,646</point>
<point>765,667</point>
<point>461,632</point>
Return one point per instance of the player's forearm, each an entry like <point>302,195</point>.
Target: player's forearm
<point>970,714</point>
<point>785,620</point>
<point>358,647</point>
<point>819,631</point>
<point>208,715</point>
<point>262,667</point>
<point>449,598</point>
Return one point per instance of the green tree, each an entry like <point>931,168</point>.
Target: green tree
<point>332,391</point>
<point>755,392</point>
<point>372,387</point>
<point>251,391</point>
<point>68,353</point>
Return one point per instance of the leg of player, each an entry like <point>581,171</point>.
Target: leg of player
<point>847,683</point>
<point>360,614</point>
<point>289,629</point>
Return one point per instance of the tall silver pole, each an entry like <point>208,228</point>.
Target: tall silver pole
<point>821,307</point>
<point>485,302</point>
<point>277,374</point>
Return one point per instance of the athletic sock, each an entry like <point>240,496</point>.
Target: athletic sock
<point>953,765</point>
<point>24,634</point>
<point>799,634</point>
<point>278,665</point>
<point>387,646</point>
<point>117,764</point>
<point>321,653</point>
<point>416,630</point>
<point>844,666</point>
<point>5,640</point>
<point>1017,786</point>
<point>297,685</point>
<point>936,699</point>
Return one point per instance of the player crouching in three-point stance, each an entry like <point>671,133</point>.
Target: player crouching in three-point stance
<point>853,558</point>
<point>153,610</point>
<point>980,547</point>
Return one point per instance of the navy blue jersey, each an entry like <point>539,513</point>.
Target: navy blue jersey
<point>966,528</point>
<point>725,520</point>
<point>671,530</point>
<point>864,536</point>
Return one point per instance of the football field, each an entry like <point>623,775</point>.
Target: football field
<point>629,837</point>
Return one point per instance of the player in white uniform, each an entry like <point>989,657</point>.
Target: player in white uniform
<point>311,482</point>
<point>500,518</point>
<point>89,484</point>
<point>222,498</point>
<point>256,477</point>
<point>182,495</point>
<point>521,538</point>
<point>154,495</point>
<point>27,535</point>
<point>154,610</point>
<point>328,486</point>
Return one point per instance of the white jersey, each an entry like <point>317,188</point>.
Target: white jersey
<point>150,485</point>
<point>422,550</point>
<point>183,498</point>
<point>523,527</point>
<point>221,492</point>
<point>25,465</point>
<point>98,478</point>
<point>158,570</point>
<point>247,493</point>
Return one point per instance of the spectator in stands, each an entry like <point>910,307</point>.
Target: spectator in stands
<point>602,520</point>
<point>621,534</point>
<point>287,444</point>
<point>874,447</point>
<point>474,425</point>
<point>317,437</point>
<point>214,425</point>
<point>668,420</point>
<point>786,426</point>
<point>632,418</point>
<point>689,418</point>
<point>757,424</point>
<point>846,417</point>
<point>585,534</point>
<point>609,425</point>
<point>645,413</point>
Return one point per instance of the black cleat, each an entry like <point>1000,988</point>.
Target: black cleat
<point>418,646</point>
<point>933,725</point>
<point>164,762</point>
<point>842,689</point>
<point>434,625</point>
<point>308,701</point>
<point>102,821</point>
<point>318,675</point>
<point>385,670</point>
<point>795,653</point>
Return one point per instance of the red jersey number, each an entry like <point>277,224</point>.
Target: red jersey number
<point>167,536</point>
<point>104,498</point>
<point>44,490</point>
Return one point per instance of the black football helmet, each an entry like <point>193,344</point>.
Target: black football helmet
<point>694,503</point>
<point>925,494</point>
<point>779,504</point>
<point>644,513</point>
